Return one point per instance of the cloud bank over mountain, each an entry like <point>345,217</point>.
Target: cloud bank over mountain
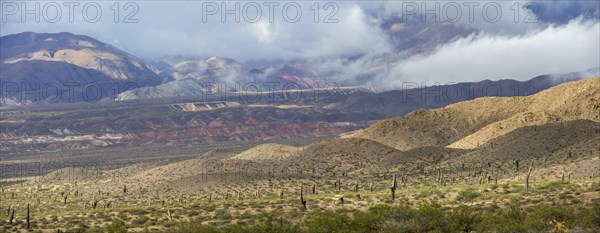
<point>554,49</point>
<point>348,39</point>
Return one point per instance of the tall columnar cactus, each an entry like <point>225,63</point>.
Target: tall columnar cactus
<point>12,215</point>
<point>527,178</point>
<point>393,188</point>
<point>302,199</point>
<point>94,202</point>
<point>28,217</point>
<point>269,176</point>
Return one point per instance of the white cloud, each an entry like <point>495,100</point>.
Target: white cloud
<point>552,50</point>
<point>179,27</point>
<point>356,33</point>
<point>264,31</point>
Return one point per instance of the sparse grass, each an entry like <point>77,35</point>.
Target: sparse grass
<point>417,208</point>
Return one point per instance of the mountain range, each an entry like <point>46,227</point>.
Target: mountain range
<point>50,65</point>
<point>67,68</point>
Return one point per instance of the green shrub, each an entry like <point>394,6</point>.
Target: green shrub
<point>467,195</point>
<point>328,221</point>
<point>463,219</point>
<point>195,228</point>
<point>428,218</point>
<point>400,213</point>
<point>141,220</point>
<point>366,221</point>
<point>117,226</point>
<point>94,230</point>
<point>588,218</point>
<point>539,217</point>
<point>432,217</point>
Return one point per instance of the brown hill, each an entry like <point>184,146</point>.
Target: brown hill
<point>555,141</point>
<point>472,123</point>
<point>553,149</point>
<point>268,151</point>
<point>571,101</point>
<point>339,155</point>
